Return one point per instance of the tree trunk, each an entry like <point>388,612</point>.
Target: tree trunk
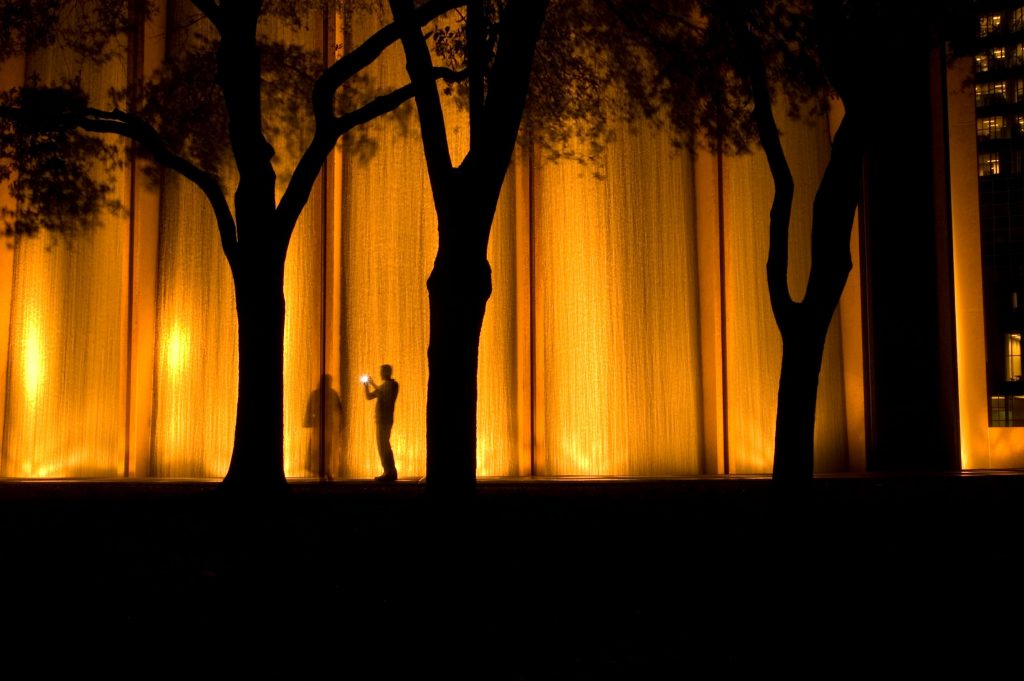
<point>458,287</point>
<point>257,461</point>
<point>802,350</point>
<point>465,199</point>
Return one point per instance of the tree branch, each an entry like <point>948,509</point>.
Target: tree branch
<point>834,206</point>
<point>476,58</point>
<point>433,133</point>
<point>510,76</point>
<point>782,204</point>
<point>387,103</point>
<point>655,16</point>
<point>130,126</point>
<point>355,61</point>
<point>211,10</point>
<point>308,167</point>
<point>134,128</point>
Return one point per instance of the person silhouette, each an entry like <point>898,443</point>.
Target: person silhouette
<point>385,394</point>
<point>326,398</point>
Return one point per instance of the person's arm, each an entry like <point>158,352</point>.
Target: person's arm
<point>370,394</point>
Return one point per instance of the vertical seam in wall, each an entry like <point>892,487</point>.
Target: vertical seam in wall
<point>322,462</point>
<point>721,278</point>
<point>129,299</point>
<point>136,47</point>
<point>342,29</point>
<point>693,215</point>
<point>533,311</point>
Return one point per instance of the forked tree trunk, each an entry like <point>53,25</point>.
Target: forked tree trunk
<point>257,461</point>
<point>804,325</point>
<point>465,198</point>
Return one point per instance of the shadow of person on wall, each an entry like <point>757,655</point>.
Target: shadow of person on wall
<point>324,433</point>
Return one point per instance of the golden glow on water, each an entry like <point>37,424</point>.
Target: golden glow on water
<point>64,396</point>
<point>619,373</point>
<point>176,353</point>
<point>65,340</point>
<point>618,386</point>
<point>617,336</point>
<point>175,362</point>
<point>196,373</point>
<point>302,341</point>
<point>34,369</point>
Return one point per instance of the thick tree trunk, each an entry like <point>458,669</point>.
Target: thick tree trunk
<point>802,350</point>
<point>257,461</point>
<point>465,199</point>
<point>458,288</point>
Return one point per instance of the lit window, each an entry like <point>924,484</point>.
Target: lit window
<point>1017,20</point>
<point>1019,90</point>
<point>1006,410</point>
<point>993,127</point>
<point>1018,53</point>
<point>997,408</point>
<point>1013,357</point>
<point>981,63</point>
<point>988,164</point>
<point>989,93</point>
<point>988,24</point>
<point>999,53</point>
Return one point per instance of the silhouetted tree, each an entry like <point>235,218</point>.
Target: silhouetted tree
<point>567,93</point>
<point>804,324</point>
<point>499,45</point>
<point>204,111</point>
<point>718,72</point>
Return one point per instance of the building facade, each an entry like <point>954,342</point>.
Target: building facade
<point>999,101</point>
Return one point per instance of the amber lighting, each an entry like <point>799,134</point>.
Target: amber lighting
<point>980,446</point>
<point>33,361</point>
<point>628,332</point>
<point>176,352</point>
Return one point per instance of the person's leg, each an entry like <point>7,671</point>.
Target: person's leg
<point>387,455</point>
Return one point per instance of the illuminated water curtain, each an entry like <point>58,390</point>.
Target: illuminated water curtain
<point>628,334</point>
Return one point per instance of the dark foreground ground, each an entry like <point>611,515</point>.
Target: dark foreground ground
<point>556,579</point>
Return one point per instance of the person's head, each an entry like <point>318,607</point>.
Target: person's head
<point>385,371</point>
